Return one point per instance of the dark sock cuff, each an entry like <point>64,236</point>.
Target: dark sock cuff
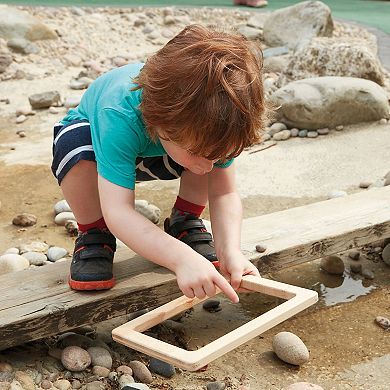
<point>188,207</point>
<point>99,224</point>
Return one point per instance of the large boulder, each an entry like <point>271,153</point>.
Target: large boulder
<point>330,101</point>
<point>295,25</point>
<point>334,57</point>
<point>19,24</point>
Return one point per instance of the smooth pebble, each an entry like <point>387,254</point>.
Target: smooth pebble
<point>365,184</point>
<point>140,371</point>
<point>212,305</point>
<point>61,218</point>
<point>75,358</point>
<point>368,274</point>
<point>62,384</point>
<point>312,134</point>
<point>383,322</point>
<point>100,357</point>
<point>354,255</point>
<point>55,253</point>
<point>333,265</point>
<point>100,371</point>
<point>162,368</point>
<point>386,254</point>
<point>302,133</point>
<point>13,251</point>
<point>290,348</point>
<point>261,248</point>
<point>25,219</point>
<point>356,267</point>
<point>216,385</point>
<point>125,380</point>
<point>61,207</point>
<point>35,258</point>
<point>12,263</point>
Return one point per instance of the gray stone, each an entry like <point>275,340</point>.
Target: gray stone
<point>81,83</point>
<point>23,46</point>
<point>212,305</point>
<point>291,26</point>
<point>354,255</point>
<point>276,127</point>
<point>15,23</point>
<point>386,254</point>
<point>282,135</point>
<point>356,267</point>
<point>100,371</point>
<point>302,133</point>
<point>148,210</point>
<point>387,179</point>
<point>351,57</point>
<point>75,358</point>
<point>55,253</point>
<point>72,101</point>
<point>25,380</point>
<point>95,385</point>
<point>100,357</point>
<point>35,258</point>
<point>34,246</point>
<point>333,265</point>
<point>275,51</point>
<point>162,368</point>
<point>140,371</point>
<point>324,131</point>
<point>125,380</point>
<point>339,128</point>
<point>290,348</point>
<point>329,101</point>
<point>44,99</point>
<point>216,385</point>
<point>62,384</point>
<point>312,134</point>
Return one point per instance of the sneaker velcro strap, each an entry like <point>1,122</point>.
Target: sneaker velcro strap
<point>93,253</point>
<point>197,237</point>
<point>96,239</point>
<point>188,224</point>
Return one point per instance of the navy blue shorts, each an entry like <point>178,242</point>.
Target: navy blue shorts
<point>72,143</point>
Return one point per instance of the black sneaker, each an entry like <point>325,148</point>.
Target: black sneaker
<point>91,267</point>
<point>193,232</point>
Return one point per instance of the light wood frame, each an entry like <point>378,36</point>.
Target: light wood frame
<point>129,334</point>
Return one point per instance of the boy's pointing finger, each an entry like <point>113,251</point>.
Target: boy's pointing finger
<point>227,289</point>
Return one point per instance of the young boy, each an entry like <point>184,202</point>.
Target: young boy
<point>194,106</point>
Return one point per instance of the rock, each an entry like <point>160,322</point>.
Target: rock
<point>62,384</point>
<point>253,34</point>
<point>23,46</point>
<point>276,127</point>
<point>76,384</point>
<point>34,246</point>
<point>339,128</point>
<point>333,265</point>
<point>95,385</point>
<point>72,101</point>
<point>149,211</point>
<point>336,194</point>
<point>292,26</point>
<point>124,370</point>
<point>63,217</point>
<point>21,134</point>
<point>294,132</point>
<point>12,263</point>
<point>55,253</point>
<point>324,131</point>
<point>100,371</point>
<point>44,99</point>
<point>100,357</point>
<point>53,110</point>
<point>386,254</point>
<point>14,251</point>
<point>61,207</point>
<point>75,358</point>
<point>72,228</point>
<point>354,255</point>
<point>333,57</point>
<point>162,368</point>
<point>312,134</point>
<point>46,384</point>
<point>329,101</point>
<point>383,121</point>
<point>15,385</point>
<point>275,52</point>
<point>140,371</point>
<point>383,322</point>
<point>81,83</point>
<point>302,133</point>
<point>216,386</point>
<point>5,61</point>
<point>368,274</point>
<point>136,386</point>
<point>25,219</point>
<point>21,119</point>
<point>282,135</point>
<point>290,348</point>
<point>35,258</point>
<point>212,305</point>
<point>365,184</point>
<point>261,248</point>
<point>125,380</point>
<point>257,20</point>
<point>356,267</point>
<point>25,380</point>
<point>15,23</point>
<point>303,386</point>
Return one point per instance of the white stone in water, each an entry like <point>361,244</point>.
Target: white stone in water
<point>56,253</point>
<point>303,386</point>
<point>35,258</point>
<point>290,348</point>
<point>34,246</point>
<point>62,206</point>
<point>149,211</point>
<point>14,251</point>
<point>12,263</point>
<point>336,194</point>
<point>61,218</point>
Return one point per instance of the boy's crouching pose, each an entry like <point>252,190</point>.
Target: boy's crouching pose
<point>193,107</point>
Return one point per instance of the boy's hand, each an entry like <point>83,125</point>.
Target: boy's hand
<point>234,265</point>
<point>197,277</point>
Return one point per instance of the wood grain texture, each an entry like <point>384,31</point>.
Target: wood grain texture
<point>37,302</point>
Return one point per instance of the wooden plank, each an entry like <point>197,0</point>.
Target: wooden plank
<point>37,302</point>
<point>130,333</point>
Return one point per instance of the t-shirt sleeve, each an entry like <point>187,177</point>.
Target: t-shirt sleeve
<point>225,164</point>
<point>116,145</point>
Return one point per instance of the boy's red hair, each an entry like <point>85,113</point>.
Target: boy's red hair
<point>203,90</point>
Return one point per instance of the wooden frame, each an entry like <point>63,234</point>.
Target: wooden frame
<point>129,334</point>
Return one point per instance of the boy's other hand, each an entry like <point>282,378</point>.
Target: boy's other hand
<point>197,277</point>
<point>234,265</point>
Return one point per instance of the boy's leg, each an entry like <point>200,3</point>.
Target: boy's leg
<point>91,267</point>
<point>185,223</point>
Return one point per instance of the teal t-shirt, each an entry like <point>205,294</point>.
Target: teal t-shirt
<point>118,132</point>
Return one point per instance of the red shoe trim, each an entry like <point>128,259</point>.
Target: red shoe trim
<point>92,285</point>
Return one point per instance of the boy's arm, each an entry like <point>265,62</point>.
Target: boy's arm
<point>195,275</point>
<point>226,217</point>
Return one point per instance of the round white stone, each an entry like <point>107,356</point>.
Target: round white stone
<point>290,348</point>
<point>62,206</point>
<point>12,263</point>
<point>61,218</point>
<point>55,253</point>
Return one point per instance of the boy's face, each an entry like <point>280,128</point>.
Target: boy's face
<point>195,164</point>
